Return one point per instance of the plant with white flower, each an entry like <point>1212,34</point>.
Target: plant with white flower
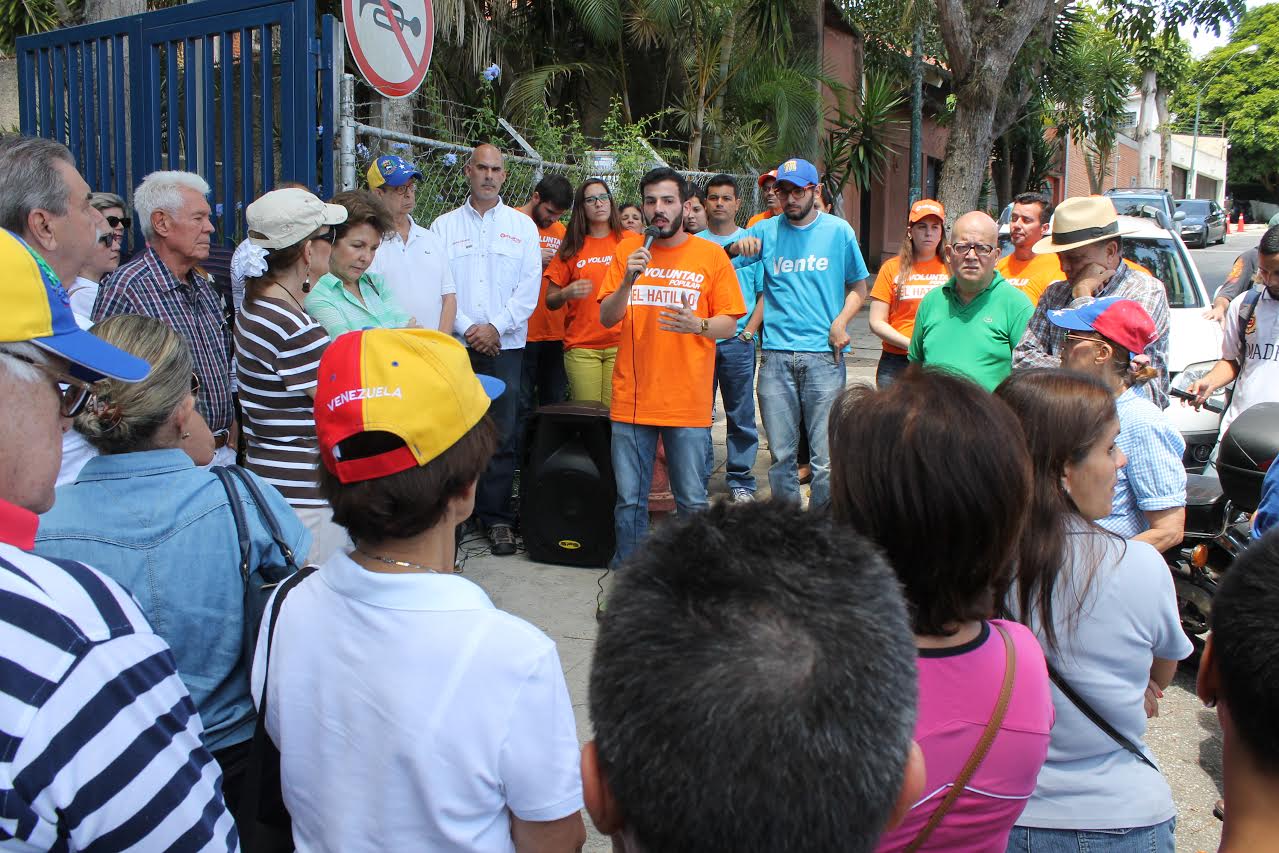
<point>449,159</point>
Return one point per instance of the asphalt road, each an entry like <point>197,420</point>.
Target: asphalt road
<point>1214,262</point>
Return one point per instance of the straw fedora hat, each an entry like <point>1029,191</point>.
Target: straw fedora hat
<point>1080,221</point>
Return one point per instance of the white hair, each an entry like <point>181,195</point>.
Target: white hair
<point>163,191</point>
<point>19,360</point>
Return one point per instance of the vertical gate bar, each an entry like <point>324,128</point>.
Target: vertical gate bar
<point>46,95</point>
<point>56,58</point>
<point>209,137</point>
<point>123,142</point>
<point>245,158</point>
<point>91,129</point>
<point>328,105</point>
<point>105,130</point>
<point>73,104</point>
<point>139,135</point>
<point>226,112</point>
<point>268,110</point>
<point>27,83</point>
<point>189,136</point>
<point>172,82</point>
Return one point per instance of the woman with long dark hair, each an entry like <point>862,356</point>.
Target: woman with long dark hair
<point>573,280</point>
<point>1105,613</point>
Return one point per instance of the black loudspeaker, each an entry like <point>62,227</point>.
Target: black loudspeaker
<point>567,492</point>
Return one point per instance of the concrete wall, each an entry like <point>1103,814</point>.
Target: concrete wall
<point>8,93</point>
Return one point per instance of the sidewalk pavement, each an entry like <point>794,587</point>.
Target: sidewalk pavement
<point>561,601</point>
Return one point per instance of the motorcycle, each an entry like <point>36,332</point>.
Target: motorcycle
<point>1218,506</point>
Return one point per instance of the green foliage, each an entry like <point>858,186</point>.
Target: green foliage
<point>1098,73</point>
<point>27,17</point>
<point>859,144</point>
<point>631,155</point>
<point>1245,95</point>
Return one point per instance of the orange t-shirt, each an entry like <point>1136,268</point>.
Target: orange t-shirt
<point>759,217</point>
<point>582,328</point>
<point>903,300</point>
<point>1031,277</point>
<point>545,324</point>
<point>664,378</point>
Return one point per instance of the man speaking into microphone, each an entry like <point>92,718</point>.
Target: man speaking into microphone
<point>675,295</point>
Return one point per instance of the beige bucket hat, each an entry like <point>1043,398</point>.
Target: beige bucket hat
<point>1080,221</point>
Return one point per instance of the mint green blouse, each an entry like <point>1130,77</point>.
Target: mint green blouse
<point>334,308</point>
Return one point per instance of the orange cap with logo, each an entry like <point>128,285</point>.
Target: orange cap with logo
<point>416,384</point>
<point>925,208</point>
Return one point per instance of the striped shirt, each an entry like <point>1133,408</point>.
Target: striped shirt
<point>193,309</point>
<point>99,740</point>
<point>277,358</point>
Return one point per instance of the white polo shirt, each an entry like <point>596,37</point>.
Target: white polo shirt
<point>1257,355</point>
<point>496,261</point>
<point>417,272</point>
<point>411,714</point>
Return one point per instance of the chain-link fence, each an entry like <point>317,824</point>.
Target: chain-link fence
<point>443,186</point>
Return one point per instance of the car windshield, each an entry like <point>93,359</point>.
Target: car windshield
<point>1130,205</point>
<point>1162,258</point>
<point>1194,207</point>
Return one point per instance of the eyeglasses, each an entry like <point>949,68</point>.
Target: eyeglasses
<point>982,249</point>
<point>119,221</point>
<point>195,385</point>
<point>1083,339</point>
<point>404,189</point>
<point>329,236</point>
<point>108,238</point>
<point>73,394</point>
<point>793,192</point>
<point>595,199</point>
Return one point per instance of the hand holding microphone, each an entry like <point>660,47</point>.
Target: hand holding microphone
<point>640,258</point>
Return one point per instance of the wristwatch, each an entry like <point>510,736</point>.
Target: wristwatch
<point>706,324</point>
<point>747,336</point>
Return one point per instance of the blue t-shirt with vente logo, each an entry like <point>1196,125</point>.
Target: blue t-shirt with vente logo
<point>806,272</point>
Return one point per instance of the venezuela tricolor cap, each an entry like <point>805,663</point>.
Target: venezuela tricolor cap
<point>414,384</point>
<point>38,310</point>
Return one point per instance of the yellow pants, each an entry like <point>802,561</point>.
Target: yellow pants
<point>590,374</point>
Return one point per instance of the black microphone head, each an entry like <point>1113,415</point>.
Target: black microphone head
<point>651,233</point>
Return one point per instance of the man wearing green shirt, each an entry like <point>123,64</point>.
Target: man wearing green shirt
<point>970,324</point>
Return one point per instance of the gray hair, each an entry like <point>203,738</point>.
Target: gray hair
<point>19,359</point>
<point>31,179</point>
<point>163,191</point>
<point>105,201</point>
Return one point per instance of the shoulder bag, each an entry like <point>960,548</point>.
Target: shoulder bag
<point>1097,719</point>
<point>983,745</point>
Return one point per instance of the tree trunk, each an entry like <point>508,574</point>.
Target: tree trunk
<point>725,63</point>
<point>983,38</point>
<point>1165,139</point>
<point>1146,126</point>
<point>397,113</point>
<point>1002,170</point>
<point>105,10</point>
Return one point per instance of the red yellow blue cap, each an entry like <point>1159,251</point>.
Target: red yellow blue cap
<point>416,384</point>
<point>38,310</point>
<point>391,171</point>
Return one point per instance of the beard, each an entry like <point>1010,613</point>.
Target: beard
<point>670,229</point>
<point>803,211</point>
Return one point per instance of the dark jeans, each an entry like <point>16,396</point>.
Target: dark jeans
<point>891,365</point>
<point>735,381</point>
<point>493,496</point>
<point>542,382</point>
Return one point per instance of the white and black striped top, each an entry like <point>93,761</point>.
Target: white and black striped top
<point>277,358</point>
<point>99,740</point>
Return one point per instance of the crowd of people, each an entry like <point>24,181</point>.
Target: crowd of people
<point>955,645</point>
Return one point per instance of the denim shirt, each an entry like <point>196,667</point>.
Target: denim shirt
<point>163,528</point>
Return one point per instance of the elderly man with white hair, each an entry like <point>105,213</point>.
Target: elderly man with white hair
<point>162,282</point>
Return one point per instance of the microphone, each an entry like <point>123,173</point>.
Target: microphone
<point>651,233</point>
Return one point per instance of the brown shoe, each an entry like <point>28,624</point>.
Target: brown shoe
<point>502,538</point>
<point>805,474</point>
<point>1219,810</point>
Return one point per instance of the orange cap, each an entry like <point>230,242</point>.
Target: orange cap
<point>926,207</point>
<point>770,175</point>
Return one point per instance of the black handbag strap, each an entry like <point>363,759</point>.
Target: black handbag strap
<point>1097,719</point>
<point>285,587</point>
<point>272,524</point>
<point>237,513</point>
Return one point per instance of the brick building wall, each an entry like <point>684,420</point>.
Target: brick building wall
<point>1126,175</point>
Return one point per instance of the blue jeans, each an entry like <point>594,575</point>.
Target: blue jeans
<point>493,495</point>
<point>891,365</point>
<point>634,450</point>
<point>795,385</point>
<point>735,381</point>
<point>542,383</point>
<point>1141,839</point>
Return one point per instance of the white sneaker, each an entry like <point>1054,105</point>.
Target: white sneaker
<point>742,496</point>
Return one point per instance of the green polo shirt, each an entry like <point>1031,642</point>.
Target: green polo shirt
<point>975,340</point>
<point>334,308</point>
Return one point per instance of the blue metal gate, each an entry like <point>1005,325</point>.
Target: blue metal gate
<point>242,92</point>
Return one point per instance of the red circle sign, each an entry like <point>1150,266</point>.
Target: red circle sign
<point>391,41</point>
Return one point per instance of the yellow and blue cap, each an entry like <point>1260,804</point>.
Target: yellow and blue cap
<point>801,173</point>
<point>391,171</point>
<point>37,310</point>
<point>416,384</point>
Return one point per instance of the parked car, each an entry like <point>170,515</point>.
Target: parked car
<point>1131,201</point>
<point>1205,222</point>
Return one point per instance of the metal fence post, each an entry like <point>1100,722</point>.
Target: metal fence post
<point>529,150</point>
<point>347,153</point>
